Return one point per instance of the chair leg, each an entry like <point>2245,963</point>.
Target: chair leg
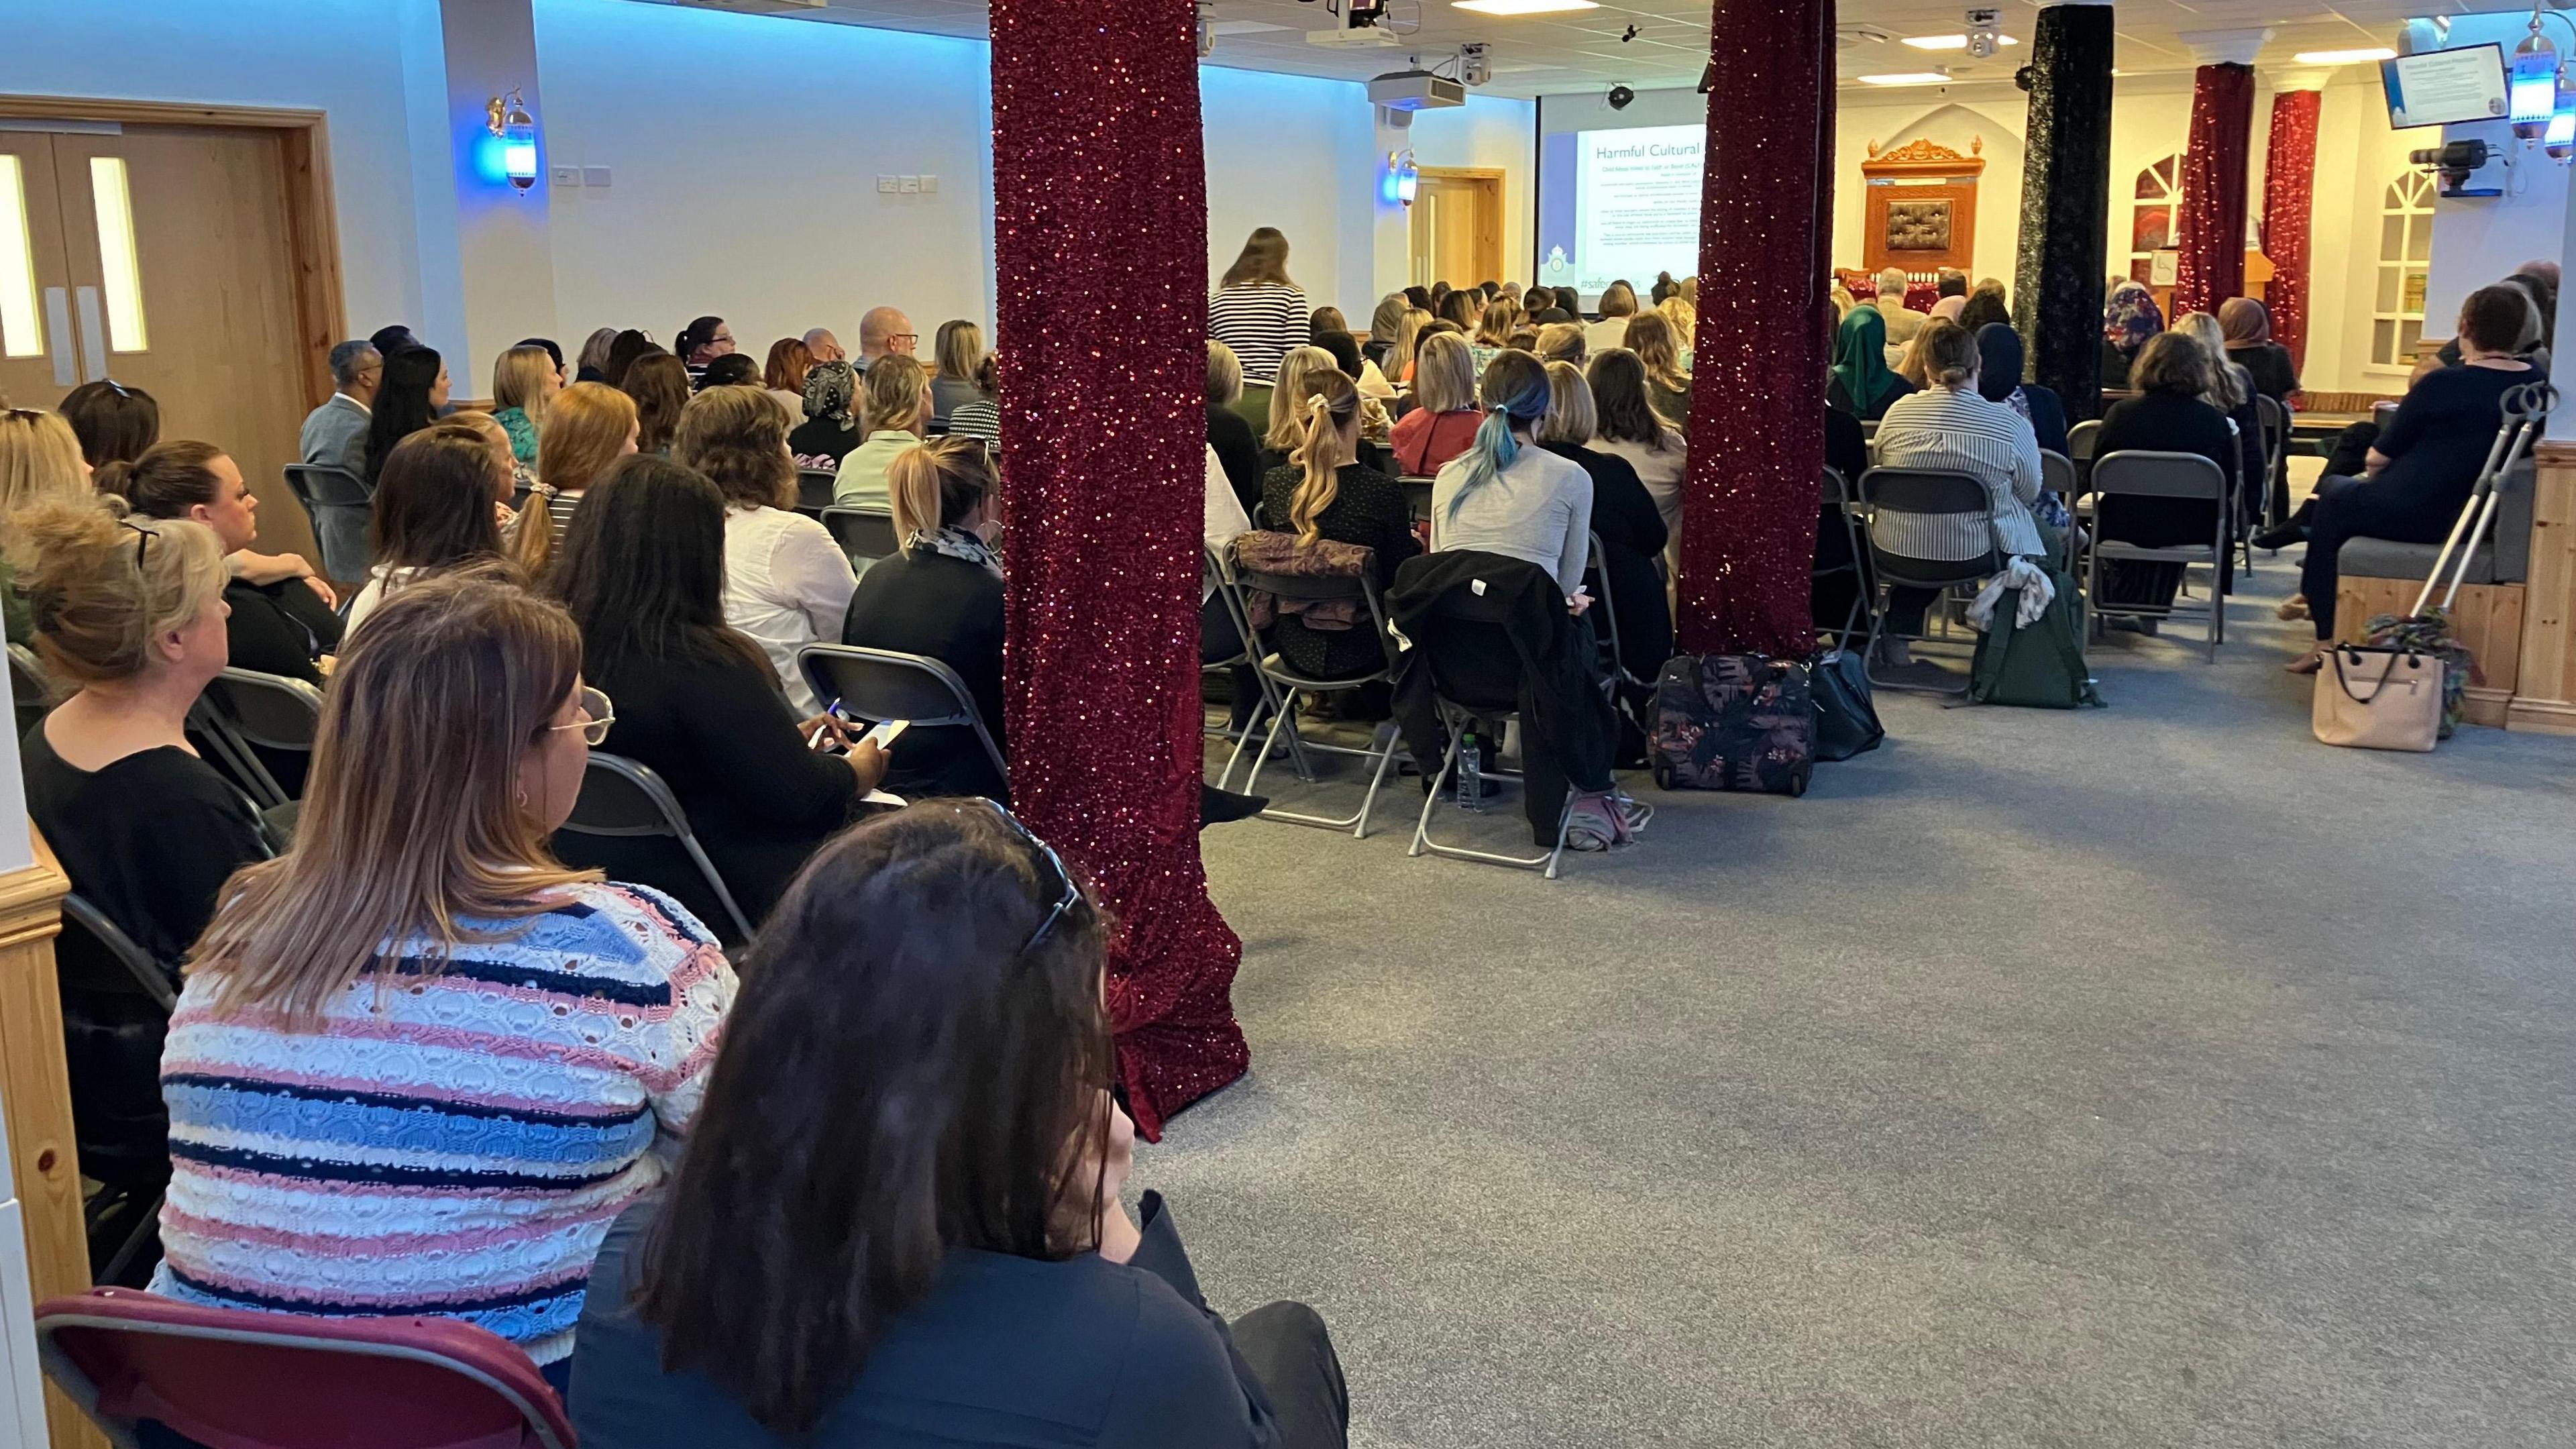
<point>1377,777</point>
<point>1564,827</point>
<point>1431,797</point>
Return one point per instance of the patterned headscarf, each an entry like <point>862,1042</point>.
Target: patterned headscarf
<point>829,386</point>
<point>2131,317</point>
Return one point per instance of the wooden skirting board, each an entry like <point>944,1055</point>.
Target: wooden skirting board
<point>2544,697</point>
<point>2486,617</point>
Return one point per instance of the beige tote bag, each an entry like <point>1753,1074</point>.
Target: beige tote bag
<point>2378,699</point>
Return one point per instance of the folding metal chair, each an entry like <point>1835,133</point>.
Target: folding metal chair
<point>1293,684</point>
<point>622,799</point>
<point>2079,442</point>
<point>1417,494</point>
<point>2139,473</point>
<point>29,690</point>
<point>243,712</point>
<point>341,506</point>
<point>94,955</point>
<point>814,490</point>
<point>1834,510</point>
<point>2275,420</point>
<point>876,685</point>
<point>864,534</point>
<point>1218,575</point>
<point>1889,494</point>
<point>245,1379</point>
<point>1460,612</point>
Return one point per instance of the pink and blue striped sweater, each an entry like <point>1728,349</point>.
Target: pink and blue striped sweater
<point>452,1142</point>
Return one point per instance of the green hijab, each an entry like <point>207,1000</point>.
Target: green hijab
<point>1860,358</point>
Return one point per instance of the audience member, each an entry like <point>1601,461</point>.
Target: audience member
<point>2175,411</point>
<point>1334,335</point>
<point>413,394</point>
<point>903,1205</point>
<point>940,596</point>
<point>1624,515</point>
<point>825,346</point>
<point>594,356</point>
<point>511,478</point>
<point>1419,298</point>
<point>1560,342</point>
<point>2247,326</point>
<point>1842,299</point>
<point>885,332</point>
<point>786,583</point>
<point>1949,282</point>
<point>1683,317</point>
<point>1986,307</point>
<point>1323,491</point>
<point>1507,497</point>
<point>1238,449</point>
<point>829,431</point>
<point>1287,430</point>
<point>1948,307</point>
<point>1861,382</point>
<point>980,417</point>
<point>1618,304</point>
<point>1257,310</point>
<point>659,383</point>
<point>335,434</point>
<point>1901,321</point>
<point>394,946</point>
<point>1408,337</point>
<point>1384,324</point>
<point>389,340</point>
<point>1668,383</point>
<point>643,574</point>
<point>701,342</point>
<point>115,423</point>
<point>588,427</point>
<point>1462,309</point>
<point>734,369</point>
<point>524,380</point>
<point>280,616</point>
<point>554,354</point>
<point>895,405</point>
<point>2232,393</point>
<point>2426,461</point>
<point>623,353</point>
<point>1999,379</point>
<point>784,374</point>
<point>1494,331</point>
<point>1950,427</point>
<point>1664,286</point>
<point>2129,317</point>
<point>433,512</point>
<point>959,353</point>
<point>40,463</point>
<point>1631,427</point>
<point>1444,419</point>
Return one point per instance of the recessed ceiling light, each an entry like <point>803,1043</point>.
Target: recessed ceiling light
<point>1908,78</point>
<point>1524,7</point>
<point>2344,57</point>
<point>1947,42</point>
<point>1242,27</point>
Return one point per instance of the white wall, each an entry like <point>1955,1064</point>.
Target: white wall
<point>1295,153</point>
<point>743,155</point>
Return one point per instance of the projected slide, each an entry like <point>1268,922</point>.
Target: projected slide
<point>1621,203</point>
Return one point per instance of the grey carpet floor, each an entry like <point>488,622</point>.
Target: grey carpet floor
<point>2143,1076</point>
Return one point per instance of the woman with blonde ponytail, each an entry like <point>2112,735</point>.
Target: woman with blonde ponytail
<point>1324,493</point>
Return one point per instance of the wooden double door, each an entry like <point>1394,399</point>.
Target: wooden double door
<point>161,257</point>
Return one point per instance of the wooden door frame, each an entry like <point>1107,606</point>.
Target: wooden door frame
<point>1498,177</point>
<point>312,220</point>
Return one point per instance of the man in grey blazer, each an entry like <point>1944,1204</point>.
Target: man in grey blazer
<point>336,432</point>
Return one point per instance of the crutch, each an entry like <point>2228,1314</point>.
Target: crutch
<point>2526,412</point>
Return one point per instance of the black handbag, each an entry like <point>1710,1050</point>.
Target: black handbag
<point>1846,719</point>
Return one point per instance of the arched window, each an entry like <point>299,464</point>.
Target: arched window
<point>2151,216</point>
<point>2405,258</point>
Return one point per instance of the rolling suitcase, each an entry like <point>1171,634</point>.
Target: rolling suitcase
<point>1734,722</point>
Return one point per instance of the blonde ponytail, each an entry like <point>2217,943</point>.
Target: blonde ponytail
<point>1329,401</point>
<point>912,492</point>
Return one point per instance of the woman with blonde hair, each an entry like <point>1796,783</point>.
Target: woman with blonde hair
<point>1444,418</point>
<point>1494,332</point>
<point>1257,310</point>
<point>1618,304</point>
<point>589,426</point>
<point>786,583</point>
<point>524,380</point>
<point>1324,491</point>
<point>40,463</point>
<point>1560,342</point>
<point>784,373</point>
<point>1668,383</point>
<point>1683,315</point>
<point>2231,391</point>
<point>1229,433</point>
<point>1408,339</point>
<point>396,945</point>
<point>1287,422</point>
<point>960,355</point>
<point>895,407</point>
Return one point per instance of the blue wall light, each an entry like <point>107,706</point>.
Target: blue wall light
<point>1403,178</point>
<point>516,132</point>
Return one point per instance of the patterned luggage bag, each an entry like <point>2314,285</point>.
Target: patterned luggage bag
<point>1734,722</point>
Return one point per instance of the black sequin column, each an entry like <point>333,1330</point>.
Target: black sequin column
<point>2065,203</point>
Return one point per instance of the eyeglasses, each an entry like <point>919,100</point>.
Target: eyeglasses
<point>1066,900</point>
<point>598,713</point>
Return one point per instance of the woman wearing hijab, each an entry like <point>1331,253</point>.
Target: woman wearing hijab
<point>2248,329</point>
<point>829,432</point>
<point>1862,384</point>
<point>2129,318</point>
<point>1999,366</point>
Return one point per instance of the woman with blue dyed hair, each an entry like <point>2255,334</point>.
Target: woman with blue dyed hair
<point>1507,495</point>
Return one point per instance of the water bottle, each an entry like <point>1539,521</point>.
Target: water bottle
<point>1471,774</point>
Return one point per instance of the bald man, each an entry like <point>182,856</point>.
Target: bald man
<point>884,332</point>
<point>825,346</point>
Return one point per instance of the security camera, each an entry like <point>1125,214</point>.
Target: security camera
<point>1985,33</point>
<point>1473,67</point>
<point>1619,97</point>
<point>2025,77</point>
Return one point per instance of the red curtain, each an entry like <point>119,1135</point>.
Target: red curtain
<point>2212,225</point>
<point>1099,211</point>
<point>2289,183</point>
<point>1757,440</point>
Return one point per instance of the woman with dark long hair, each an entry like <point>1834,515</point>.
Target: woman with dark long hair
<point>414,389</point>
<point>642,572</point>
<point>1257,310</point>
<point>433,511</point>
<point>898,1217</point>
<point>660,387</point>
<point>623,351</point>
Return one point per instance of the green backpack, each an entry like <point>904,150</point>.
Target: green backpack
<point>2040,665</point>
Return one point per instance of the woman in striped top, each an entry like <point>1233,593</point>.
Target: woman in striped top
<point>1949,427</point>
<point>418,1065</point>
<point>1257,311</point>
<point>588,426</point>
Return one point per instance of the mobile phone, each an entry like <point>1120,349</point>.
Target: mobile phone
<point>887,732</point>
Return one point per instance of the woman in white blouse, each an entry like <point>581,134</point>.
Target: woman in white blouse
<point>787,583</point>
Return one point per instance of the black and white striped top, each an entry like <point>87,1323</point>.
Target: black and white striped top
<point>1961,432</point>
<point>1260,321</point>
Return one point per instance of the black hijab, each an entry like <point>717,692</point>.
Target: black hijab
<point>1998,361</point>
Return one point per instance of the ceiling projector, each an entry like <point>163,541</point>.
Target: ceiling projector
<point>1415,90</point>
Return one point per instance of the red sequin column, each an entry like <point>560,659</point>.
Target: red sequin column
<point>2289,187</point>
<point>1757,440</point>
<point>1099,221</point>
<point>2211,228</point>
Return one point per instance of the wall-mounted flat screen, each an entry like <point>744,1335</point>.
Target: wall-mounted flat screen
<point>2445,87</point>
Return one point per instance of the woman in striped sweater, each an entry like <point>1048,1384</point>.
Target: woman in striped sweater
<point>419,1066</point>
<point>1257,311</point>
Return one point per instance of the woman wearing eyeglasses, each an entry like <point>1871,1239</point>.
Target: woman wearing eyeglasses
<point>897,1221</point>
<point>419,1065</point>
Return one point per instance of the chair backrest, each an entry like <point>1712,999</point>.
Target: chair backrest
<point>2140,473</point>
<point>327,485</point>
<point>268,710</point>
<point>2079,440</point>
<point>1834,499</point>
<point>2513,523</point>
<point>1923,490</point>
<point>814,489</point>
<point>865,534</point>
<point>1417,494</point>
<point>31,691</point>
<point>624,799</point>
<point>2057,473</point>
<point>340,505</point>
<point>882,684</point>
<point>95,953</point>
<point>2275,420</point>
<point>252,1380</point>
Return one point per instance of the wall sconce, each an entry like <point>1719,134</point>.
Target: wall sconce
<point>1403,178</point>
<point>517,131</point>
